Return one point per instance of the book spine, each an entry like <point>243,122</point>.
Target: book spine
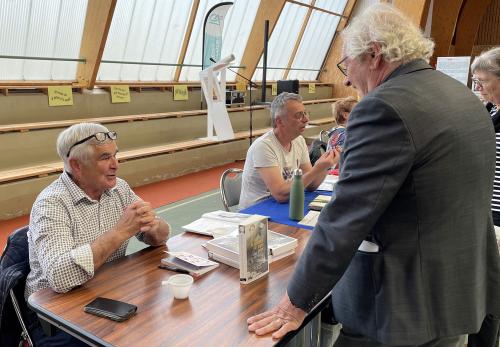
<point>242,254</point>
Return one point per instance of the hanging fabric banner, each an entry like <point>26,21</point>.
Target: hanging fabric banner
<point>212,33</point>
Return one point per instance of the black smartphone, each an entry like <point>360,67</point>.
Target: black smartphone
<point>111,309</point>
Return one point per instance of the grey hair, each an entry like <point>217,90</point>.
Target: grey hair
<point>72,135</point>
<point>400,40</point>
<point>279,103</point>
<point>488,61</point>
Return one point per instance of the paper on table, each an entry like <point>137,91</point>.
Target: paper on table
<point>326,187</point>
<point>328,183</point>
<point>310,219</point>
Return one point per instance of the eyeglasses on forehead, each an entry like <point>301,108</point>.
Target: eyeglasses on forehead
<point>100,137</point>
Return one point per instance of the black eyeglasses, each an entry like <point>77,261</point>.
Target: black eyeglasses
<point>342,66</point>
<point>100,137</point>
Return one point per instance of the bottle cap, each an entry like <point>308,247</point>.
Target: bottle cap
<point>297,172</point>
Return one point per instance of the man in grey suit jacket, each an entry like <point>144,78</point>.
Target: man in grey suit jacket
<point>407,245</point>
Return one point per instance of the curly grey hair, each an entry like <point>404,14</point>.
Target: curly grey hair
<point>488,61</point>
<point>72,135</point>
<point>279,103</point>
<point>400,40</point>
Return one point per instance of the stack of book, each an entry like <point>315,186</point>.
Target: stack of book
<point>233,232</point>
<point>319,202</point>
<point>185,262</point>
<point>225,249</point>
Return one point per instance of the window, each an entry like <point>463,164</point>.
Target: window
<point>49,28</point>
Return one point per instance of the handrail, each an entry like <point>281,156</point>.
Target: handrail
<point>22,127</point>
<point>123,156</point>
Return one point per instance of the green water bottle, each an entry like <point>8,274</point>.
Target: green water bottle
<point>296,211</point>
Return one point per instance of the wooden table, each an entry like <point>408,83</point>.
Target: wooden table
<point>214,315</point>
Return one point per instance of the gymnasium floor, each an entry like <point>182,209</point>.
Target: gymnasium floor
<point>179,200</point>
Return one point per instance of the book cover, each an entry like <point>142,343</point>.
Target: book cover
<point>254,262</point>
<point>196,266</point>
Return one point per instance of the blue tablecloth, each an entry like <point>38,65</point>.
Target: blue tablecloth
<point>278,213</point>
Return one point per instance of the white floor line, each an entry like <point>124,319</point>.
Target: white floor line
<point>185,203</point>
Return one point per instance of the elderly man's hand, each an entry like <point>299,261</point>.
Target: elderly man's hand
<point>280,320</point>
<point>138,216</point>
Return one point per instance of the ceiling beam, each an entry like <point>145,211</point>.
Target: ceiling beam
<point>468,25</point>
<point>95,33</point>
<point>187,37</point>
<point>268,10</point>
<point>299,39</point>
<point>311,6</point>
<point>329,72</point>
<point>444,21</point>
<point>416,10</point>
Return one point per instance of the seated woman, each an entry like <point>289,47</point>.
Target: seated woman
<point>340,110</point>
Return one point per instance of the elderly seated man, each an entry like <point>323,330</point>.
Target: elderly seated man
<point>272,158</point>
<point>84,218</point>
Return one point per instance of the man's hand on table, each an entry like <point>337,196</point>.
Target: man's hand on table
<point>280,320</point>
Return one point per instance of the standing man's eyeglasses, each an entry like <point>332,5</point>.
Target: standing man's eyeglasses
<point>342,66</point>
<point>100,137</point>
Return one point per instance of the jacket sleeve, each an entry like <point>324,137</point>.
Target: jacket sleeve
<point>377,158</point>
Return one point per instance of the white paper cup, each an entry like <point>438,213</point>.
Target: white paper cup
<point>179,285</point>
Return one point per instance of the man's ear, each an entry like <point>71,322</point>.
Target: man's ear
<point>76,166</point>
<point>278,120</point>
<point>376,56</point>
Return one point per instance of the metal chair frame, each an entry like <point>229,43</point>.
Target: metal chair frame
<point>224,190</point>
<point>323,136</point>
<point>24,333</point>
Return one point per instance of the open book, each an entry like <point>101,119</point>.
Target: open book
<point>216,223</point>
<point>196,266</point>
<point>225,249</point>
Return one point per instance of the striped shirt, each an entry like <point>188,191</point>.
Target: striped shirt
<point>495,203</point>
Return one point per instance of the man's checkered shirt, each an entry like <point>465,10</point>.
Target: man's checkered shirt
<point>64,222</point>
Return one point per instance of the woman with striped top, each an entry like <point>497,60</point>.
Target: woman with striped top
<point>486,77</point>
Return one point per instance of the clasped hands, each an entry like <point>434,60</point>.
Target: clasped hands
<point>138,216</point>
<point>280,320</point>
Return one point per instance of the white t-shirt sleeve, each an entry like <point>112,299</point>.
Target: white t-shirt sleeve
<point>264,156</point>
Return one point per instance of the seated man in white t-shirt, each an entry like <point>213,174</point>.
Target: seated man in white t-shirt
<point>272,158</point>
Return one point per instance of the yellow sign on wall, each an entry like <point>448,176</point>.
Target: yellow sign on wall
<point>180,92</point>
<point>241,86</point>
<point>274,89</point>
<point>60,96</point>
<point>312,88</point>
<point>120,94</point>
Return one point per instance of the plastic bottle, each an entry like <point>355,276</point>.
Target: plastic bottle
<point>296,211</point>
